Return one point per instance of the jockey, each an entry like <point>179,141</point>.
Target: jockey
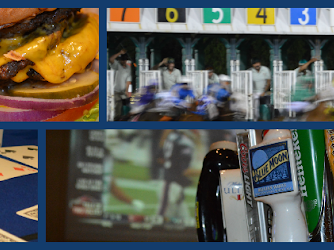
<point>145,96</point>
<point>221,91</point>
<point>182,89</point>
<point>207,107</point>
<point>225,82</point>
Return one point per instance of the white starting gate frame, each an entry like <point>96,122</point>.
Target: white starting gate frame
<point>190,65</point>
<point>323,79</point>
<point>284,87</point>
<point>147,76</point>
<point>199,77</point>
<point>242,83</point>
<point>199,81</point>
<point>110,95</point>
<point>143,64</point>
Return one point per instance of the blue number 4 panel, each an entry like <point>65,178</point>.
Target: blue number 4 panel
<point>303,16</point>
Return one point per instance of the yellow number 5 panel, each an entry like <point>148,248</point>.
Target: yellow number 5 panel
<point>261,16</point>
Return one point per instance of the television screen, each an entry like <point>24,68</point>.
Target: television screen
<point>135,185</point>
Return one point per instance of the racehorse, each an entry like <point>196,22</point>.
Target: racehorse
<point>320,114</point>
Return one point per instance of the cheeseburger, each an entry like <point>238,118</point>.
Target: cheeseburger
<point>48,64</point>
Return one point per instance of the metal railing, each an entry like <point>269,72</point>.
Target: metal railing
<point>199,81</point>
<point>146,76</point>
<point>323,79</point>
<point>283,87</point>
<point>242,83</point>
<point>189,65</point>
<point>143,64</point>
<point>110,95</point>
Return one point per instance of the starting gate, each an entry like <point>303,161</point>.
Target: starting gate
<point>323,79</point>
<point>242,84</point>
<point>199,81</point>
<point>283,87</point>
<point>110,95</point>
<point>146,76</point>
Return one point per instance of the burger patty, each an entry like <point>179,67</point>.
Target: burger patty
<point>10,69</point>
<point>50,22</point>
<point>34,75</point>
<point>46,19</point>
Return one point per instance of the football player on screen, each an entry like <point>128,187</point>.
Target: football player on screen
<point>110,186</point>
<point>178,150</point>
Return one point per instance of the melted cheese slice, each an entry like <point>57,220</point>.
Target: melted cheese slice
<point>8,43</point>
<point>66,58</point>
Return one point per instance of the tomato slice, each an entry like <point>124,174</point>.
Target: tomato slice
<point>72,114</point>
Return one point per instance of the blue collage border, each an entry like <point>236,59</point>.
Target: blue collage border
<point>102,124</point>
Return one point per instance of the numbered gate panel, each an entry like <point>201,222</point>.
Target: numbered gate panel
<point>217,16</point>
<point>303,16</point>
<point>171,15</point>
<point>261,16</point>
<point>308,20</point>
<point>171,19</point>
<point>124,15</point>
